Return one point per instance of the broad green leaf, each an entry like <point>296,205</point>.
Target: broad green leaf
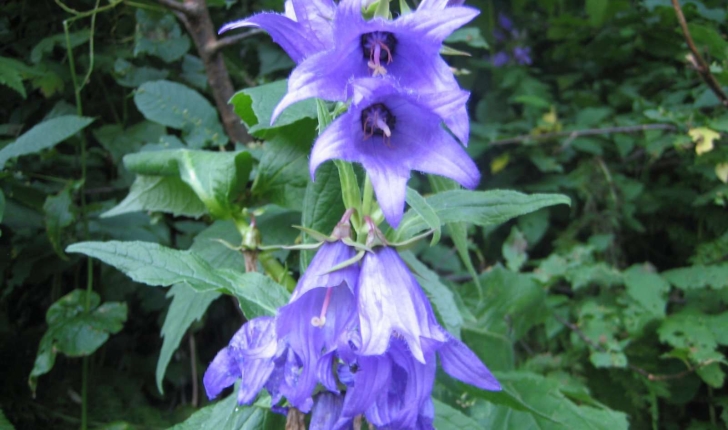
<point>647,288</point>
<point>156,265</point>
<point>484,208</point>
<point>283,170</point>
<point>46,45</point>
<point>350,191</point>
<point>2,205</point>
<point>159,35</point>
<point>180,107</point>
<point>43,136</point>
<point>693,277</point>
<point>130,76</point>
<point>121,141</point>
<point>75,332</point>
<point>449,418</point>
<point>58,215</point>
<point>217,178</point>
<point>227,415</point>
<point>440,295</point>
<point>554,409</point>
<point>160,194</point>
<point>322,205</point>
<point>187,307</point>
<point>255,106</point>
<point>420,206</point>
<point>458,230</point>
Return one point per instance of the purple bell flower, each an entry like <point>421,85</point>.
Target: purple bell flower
<point>303,30</point>
<point>256,357</point>
<point>504,22</point>
<point>392,132</point>
<point>500,59</point>
<point>321,308</point>
<point>522,55</point>
<point>326,411</point>
<point>406,49</point>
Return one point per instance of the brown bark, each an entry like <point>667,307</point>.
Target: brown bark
<point>295,420</point>
<point>196,18</point>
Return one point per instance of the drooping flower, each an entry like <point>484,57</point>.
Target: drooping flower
<point>326,411</point>
<point>257,358</point>
<point>522,55</point>
<point>392,132</point>
<point>321,308</point>
<point>406,49</point>
<point>303,30</point>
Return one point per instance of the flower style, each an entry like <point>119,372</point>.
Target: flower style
<point>392,132</point>
<point>406,49</point>
<point>303,30</point>
<point>321,308</point>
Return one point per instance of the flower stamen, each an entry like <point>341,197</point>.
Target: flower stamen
<point>378,120</point>
<point>378,46</point>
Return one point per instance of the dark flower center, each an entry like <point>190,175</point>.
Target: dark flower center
<point>377,120</point>
<point>378,47</point>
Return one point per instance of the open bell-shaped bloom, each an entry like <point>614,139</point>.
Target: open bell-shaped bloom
<point>407,49</point>
<point>321,308</point>
<point>392,132</point>
<point>303,30</point>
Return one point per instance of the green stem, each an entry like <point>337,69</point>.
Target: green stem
<point>368,197</point>
<point>276,270</point>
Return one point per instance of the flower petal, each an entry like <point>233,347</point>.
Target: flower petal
<point>326,411</point>
<point>329,255</point>
<point>445,157</point>
<point>316,17</point>
<point>371,377</point>
<point>433,26</point>
<point>462,363</point>
<point>289,34</point>
<point>222,373</point>
<point>390,187</point>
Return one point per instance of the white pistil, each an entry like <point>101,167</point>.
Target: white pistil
<point>383,126</point>
<point>320,320</point>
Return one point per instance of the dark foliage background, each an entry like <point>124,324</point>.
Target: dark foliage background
<point>608,313</point>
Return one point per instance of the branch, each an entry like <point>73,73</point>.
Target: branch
<point>175,5</point>
<point>641,371</point>
<point>588,132</point>
<point>698,61</point>
<point>214,47</point>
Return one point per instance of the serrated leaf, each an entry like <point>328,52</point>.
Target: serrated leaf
<point>283,170</point>
<point>11,76</point>
<point>423,209</point>
<point>75,332</point>
<point>322,206</point>
<point>159,194</point>
<point>156,265</point>
<point>554,411</point>
<point>449,418</point>
<point>58,215</point>
<point>484,208</point>
<point>647,288</point>
<point>43,136</point>
<point>159,35</point>
<point>693,277</point>
<point>255,107</point>
<point>216,178</point>
<point>121,141</point>
<point>131,76</point>
<point>227,415</point>
<point>180,107</point>
<point>440,296</point>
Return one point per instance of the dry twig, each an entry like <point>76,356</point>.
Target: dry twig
<point>588,132</point>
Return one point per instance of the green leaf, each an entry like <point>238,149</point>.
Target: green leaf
<point>484,208</point>
<point>159,194</point>
<point>596,10</point>
<point>420,206</point>
<point>514,250</point>
<point>10,75</point>
<point>187,307</point>
<point>75,332</point>
<point>553,410</point>
<point>46,45</point>
<point>442,299</point>
<point>159,35</point>
<point>449,418</point>
<point>458,230</point>
<point>2,206</point>
<point>694,277</point>
<point>350,191</point>
<point>58,215</point>
<point>121,141</point>
<point>283,169</point>
<point>43,136</point>
<point>255,107</point>
<point>217,178</point>
<point>4,423</point>
<point>468,35</point>
<point>130,76</point>
<point>227,415</point>
<point>180,107</point>
<point>647,288</point>
<point>322,206</point>
<point>156,265</point>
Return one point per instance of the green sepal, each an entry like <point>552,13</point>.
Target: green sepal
<point>353,260</point>
<point>315,234</point>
